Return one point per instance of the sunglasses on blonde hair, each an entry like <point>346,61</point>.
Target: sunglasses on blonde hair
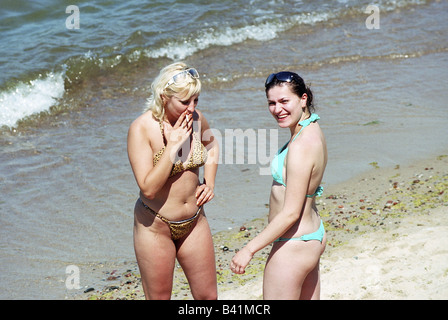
<point>178,77</point>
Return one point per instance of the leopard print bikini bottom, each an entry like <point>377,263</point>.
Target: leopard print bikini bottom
<point>177,228</point>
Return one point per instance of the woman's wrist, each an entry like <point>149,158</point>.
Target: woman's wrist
<point>250,249</point>
<point>209,183</point>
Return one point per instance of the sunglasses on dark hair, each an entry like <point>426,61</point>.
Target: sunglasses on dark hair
<point>284,76</point>
<point>192,72</point>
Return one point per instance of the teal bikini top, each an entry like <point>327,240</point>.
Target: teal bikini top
<point>279,159</point>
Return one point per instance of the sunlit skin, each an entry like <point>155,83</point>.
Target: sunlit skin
<point>286,107</point>
<point>292,268</point>
<point>176,198</point>
<point>175,106</point>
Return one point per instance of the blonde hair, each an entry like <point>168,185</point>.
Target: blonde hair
<point>184,89</point>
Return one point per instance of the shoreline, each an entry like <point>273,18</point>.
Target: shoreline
<point>385,226</point>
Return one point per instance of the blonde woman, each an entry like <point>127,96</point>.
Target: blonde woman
<point>166,150</point>
<point>292,269</point>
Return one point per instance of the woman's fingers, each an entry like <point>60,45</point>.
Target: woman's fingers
<point>180,121</point>
<point>185,120</point>
<point>236,268</point>
<point>204,194</point>
<point>240,261</point>
<point>181,130</point>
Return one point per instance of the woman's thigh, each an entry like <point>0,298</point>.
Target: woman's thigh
<point>155,253</point>
<point>288,266</point>
<point>196,255</point>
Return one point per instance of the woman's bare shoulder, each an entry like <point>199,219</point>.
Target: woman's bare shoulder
<point>144,127</point>
<point>145,121</point>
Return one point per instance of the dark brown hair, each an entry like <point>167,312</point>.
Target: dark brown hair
<point>298,86</point>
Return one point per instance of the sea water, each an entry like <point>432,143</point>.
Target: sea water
<point>73,79</point>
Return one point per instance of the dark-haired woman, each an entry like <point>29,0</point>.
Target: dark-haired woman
<point>295,227</point>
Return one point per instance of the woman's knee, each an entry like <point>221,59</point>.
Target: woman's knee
<point>209,294</point>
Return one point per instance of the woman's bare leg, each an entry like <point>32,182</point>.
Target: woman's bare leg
<point>196,255</point>
<point>311,285</point>
<point>155,253</point>
<point>287,270</point>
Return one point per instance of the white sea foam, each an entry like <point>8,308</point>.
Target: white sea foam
<point>28,98</point>
<point>230,35</point>
<point>224,37</point>
<point>264,29</point>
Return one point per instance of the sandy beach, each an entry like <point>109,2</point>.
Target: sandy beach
<point>386,230</point>
<point>68,97</point>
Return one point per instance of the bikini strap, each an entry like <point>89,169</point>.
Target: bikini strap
<point>169,222</point>
<point>319,191</point>
<point>162,132</point>
<point>153,212</point>
<point>161,127</point>
<point>313,117</point>
<point>304,123</point>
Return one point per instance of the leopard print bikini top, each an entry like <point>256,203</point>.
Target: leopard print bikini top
<point>197,158</point>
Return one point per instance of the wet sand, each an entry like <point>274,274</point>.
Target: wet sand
<point>386,232</point>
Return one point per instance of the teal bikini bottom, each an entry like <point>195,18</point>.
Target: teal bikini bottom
<point>317,235</point>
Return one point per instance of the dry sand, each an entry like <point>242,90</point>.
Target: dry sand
<point>387,233</point>
<point>406,262</point>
